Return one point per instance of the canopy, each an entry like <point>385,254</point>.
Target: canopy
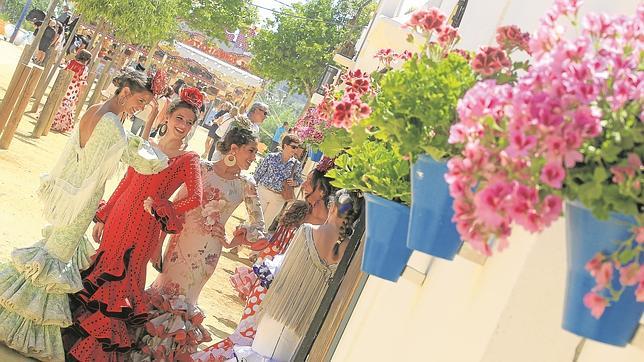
<point>223,70</point>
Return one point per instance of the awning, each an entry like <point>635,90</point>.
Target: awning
<point>223,70</point>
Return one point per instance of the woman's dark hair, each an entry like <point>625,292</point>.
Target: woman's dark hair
<point>183,104</point>
<point>83,56</point>
<point>349,207</point>
<point>135,80</point>
<point>319,180</point>
<point>236,136</point>
<point>295,213</point>
<point>289,139</point>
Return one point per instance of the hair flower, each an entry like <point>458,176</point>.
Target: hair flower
<point>192,96</point>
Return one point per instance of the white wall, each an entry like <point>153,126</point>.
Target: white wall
<point>508,309</point>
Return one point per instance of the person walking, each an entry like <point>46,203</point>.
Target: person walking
<point>277,137</point>
<point>277,175</point>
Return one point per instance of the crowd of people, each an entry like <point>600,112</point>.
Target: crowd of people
<point>63,300</point>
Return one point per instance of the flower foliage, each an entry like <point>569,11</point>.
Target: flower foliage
<point>373,167</point>
<point>416,104</point>
<point>570,126</point>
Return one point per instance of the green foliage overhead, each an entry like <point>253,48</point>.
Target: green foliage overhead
<point>296,49</point>
<point>376,168</point>
<point>13,8</point>
<point>214,17</point>
<point>142,22</point>
<point>416,105</point>
<point>149,21</point>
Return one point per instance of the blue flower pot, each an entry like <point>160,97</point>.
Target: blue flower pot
<point>586,237</point>
<point>431,229</point>
<point>315,156</point>
<point>385,252</point>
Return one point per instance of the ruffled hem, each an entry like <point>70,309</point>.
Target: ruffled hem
<point>46,271</point>
<point>32,302</point>
<point>30,338</point>
<point>101,324</point>
<point>173,332</point>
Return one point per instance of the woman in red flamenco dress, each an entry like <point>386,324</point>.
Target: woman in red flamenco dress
<point>128,228</point>
<point>64,118</point>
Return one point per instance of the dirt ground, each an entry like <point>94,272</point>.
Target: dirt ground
<point>21,220</point>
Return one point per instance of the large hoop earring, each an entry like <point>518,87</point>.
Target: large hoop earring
<point>163,129</point>
<point>230,160</point>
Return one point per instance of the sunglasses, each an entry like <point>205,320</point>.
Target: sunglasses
<point>263,111</point>
<point>295,147</point>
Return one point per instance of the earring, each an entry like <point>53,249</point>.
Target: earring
<point>230,160</point>
<point>163,129</point>
<point>121,101</point>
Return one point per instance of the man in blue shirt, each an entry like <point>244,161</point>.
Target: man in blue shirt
<point>277,137</point>
<point>275,171</point>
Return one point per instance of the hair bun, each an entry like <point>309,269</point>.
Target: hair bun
<point>192,96</point>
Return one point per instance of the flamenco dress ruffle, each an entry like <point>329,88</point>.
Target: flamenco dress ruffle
<point>173,332</point>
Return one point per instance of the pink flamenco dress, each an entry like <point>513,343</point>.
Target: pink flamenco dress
<point>174,330</point>
<point>113,300</point>
<point>64,118</point>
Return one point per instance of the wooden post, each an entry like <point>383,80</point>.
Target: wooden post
<point>21,74</point>
<point>41,31</point>
<point>53,102</point>
<point>91,76</point>
<point>42,82</point>
<point>16,115</point>
<point>96,96</point>
<point>49,75</point>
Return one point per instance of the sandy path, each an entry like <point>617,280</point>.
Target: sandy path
<point>21,221</point>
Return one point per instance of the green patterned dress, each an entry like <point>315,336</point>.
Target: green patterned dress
<point>34,306</point>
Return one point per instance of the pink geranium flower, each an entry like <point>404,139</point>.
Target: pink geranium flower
<point>596,303</point>
<point>490,60</point>
<point>553,174</point>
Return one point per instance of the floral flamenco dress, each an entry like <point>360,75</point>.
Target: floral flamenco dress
<point>174,330</point>
<point>64,118</point>
<point>254,288</point>
<point>113,297</point>
<point>34,285</point>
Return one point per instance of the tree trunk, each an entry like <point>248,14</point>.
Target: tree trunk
<point>153,50</point>
<point>41,32</point>
<point>91,76</point>
<point>42,86</point>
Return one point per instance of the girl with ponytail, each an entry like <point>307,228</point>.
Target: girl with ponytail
<point>296,287</point>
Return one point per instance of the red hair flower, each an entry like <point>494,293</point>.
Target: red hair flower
<point>192,96</point>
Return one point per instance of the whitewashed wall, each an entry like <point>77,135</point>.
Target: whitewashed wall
<point>508,309</point>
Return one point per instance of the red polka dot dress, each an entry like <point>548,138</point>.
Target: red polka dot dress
<point>113,298</point>
<point>64,118</point>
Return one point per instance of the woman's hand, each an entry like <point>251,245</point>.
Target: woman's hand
<point>291,182</point>
<point>239,237</point>
<point>97,232</point>
<point>147,205</point>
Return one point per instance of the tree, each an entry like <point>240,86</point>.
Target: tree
<point>13,8</point>
<point>301,40</point>
<point>214,17</point>
<point>146,22</point>
<point>142,22</point>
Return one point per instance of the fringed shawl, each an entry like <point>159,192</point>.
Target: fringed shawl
<point>82,172</point>
<point>296,293</point>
